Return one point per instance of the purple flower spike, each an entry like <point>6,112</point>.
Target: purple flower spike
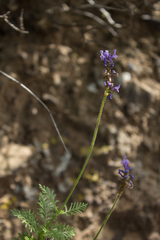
<point>125,175</point>
<point>107,59</point>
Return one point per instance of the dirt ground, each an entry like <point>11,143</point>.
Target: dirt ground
<point>59,60</point>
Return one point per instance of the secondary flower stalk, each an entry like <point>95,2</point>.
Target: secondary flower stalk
<point>125,183</point>
<point>126,176</point>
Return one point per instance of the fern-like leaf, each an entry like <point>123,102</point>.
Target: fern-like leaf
<point>49,194</point>
<point>60,232</point>
<point>46,210</point>
<point>75,208</point>
<point>47,204</point>
<point>28,218</point>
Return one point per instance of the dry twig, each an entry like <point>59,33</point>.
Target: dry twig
<point>21,29</point>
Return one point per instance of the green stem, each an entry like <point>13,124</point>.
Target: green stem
<point>85,164</point>
<point>109,214</point>
<point>89,154</point>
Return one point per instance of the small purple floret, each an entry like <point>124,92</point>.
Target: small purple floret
<point>110,85</point>
<point>121,173</point>
<point>116,88</point>
<point>125,163</point>
<point>114,72</point>
<point>110,96</point>
<point>131,175</point>
<point>114,54</point>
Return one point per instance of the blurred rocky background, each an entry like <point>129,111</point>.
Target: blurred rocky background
<point>59,61</point>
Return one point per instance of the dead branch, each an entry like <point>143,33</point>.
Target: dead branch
<point>21,29</point>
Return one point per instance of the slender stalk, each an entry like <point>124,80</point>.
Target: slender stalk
<point>109,214</point>
<point>85,164</point>
<point>89,154</point>
<point>42,103</point>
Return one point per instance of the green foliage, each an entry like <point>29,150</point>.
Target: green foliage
<point>75,208</point>
<point>61,232</point>
<point>47,203</point>
<point>28,218</point>
<point>48,211</point>
<point>25,236</point>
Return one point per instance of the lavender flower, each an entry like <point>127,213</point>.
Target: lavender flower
<point>107,59</point>
<point>126,175</point>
